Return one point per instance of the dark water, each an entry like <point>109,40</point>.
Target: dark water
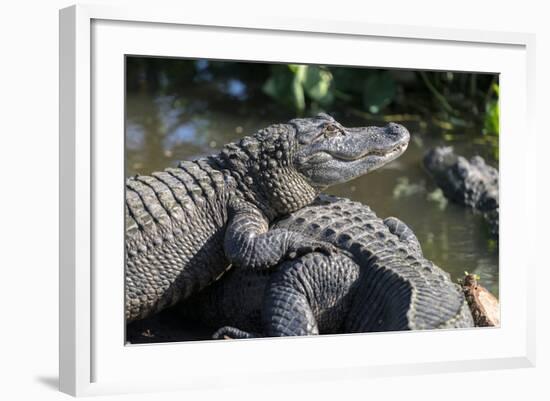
<point>162,130</point>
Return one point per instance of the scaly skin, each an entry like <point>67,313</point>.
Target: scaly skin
<point>186,225</point>
<point>379,281</point>
<point>471,183</point>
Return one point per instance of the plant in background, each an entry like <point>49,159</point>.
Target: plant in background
<point>379,90</point>
<point>452,105</point>
<point>304,87</point>
<point>491,120</point>
<point>299,85</point>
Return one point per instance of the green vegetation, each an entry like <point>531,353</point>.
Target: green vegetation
<point>491,119</point>
<point>292,84</point>
<point>490,122</point>
<point>455,103</point>
<point>452,101</point>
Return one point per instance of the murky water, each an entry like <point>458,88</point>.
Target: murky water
<point>162,130</point>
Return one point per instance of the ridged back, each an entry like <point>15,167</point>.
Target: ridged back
<point>174,235</point>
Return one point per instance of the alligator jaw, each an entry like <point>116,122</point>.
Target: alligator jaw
<point>391,154</point>
<point>383,154</point>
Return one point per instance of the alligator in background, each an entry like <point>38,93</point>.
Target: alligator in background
<point>378,281</point>
<point>186,225</point>
<point>471,183</point>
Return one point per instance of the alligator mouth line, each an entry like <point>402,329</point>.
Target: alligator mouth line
<point>397,149</point>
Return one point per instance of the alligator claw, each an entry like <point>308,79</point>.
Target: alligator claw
<point>327,249</point>
<point>310,246</point>
<point>230,333</point>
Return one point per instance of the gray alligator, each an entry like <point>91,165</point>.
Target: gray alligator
<point>186,225</point>
<point>378,281</point>
<point>471,183</point>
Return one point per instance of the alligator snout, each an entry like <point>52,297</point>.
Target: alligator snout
<point>398,132</point>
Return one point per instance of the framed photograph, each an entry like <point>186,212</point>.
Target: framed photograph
<point>218,193</point>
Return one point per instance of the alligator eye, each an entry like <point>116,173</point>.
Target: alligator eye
<point>331,131</point>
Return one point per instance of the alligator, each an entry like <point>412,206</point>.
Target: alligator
<point>186,225</point>
<point>471,183</point>
<point>377,281</point>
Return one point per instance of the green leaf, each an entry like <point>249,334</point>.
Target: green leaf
<point>278,83</point>
<point>284,85</point>
<point>318,85</point>
<point>495,88</point>
<point>293,84</point>
<point>379,90</point>
<point>491,120</point>
<point>492,115</point>
<point>299,99</point>
<point>348,80</point>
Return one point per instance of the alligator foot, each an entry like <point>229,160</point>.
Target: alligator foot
<point>229,333</point>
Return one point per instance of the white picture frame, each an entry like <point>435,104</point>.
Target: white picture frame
<point>93,357</point>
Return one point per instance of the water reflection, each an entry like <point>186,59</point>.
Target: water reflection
<point>161,130</point>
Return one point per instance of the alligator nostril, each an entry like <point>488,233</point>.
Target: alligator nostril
<point>394,129</point>
<point>397,130</point>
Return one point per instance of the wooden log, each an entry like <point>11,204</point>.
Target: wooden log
<point>484,306</point>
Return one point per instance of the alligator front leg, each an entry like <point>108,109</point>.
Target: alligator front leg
<point>249,243</point>
<point>309,295</point>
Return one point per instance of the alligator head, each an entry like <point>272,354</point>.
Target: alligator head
<point>283,167</point>
<point>329,153</point>
<point>472,183</point>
